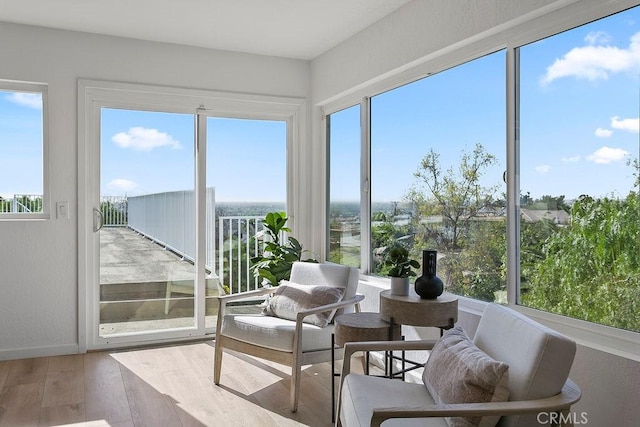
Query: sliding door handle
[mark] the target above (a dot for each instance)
(98, 220)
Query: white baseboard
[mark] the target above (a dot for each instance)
(29, 352)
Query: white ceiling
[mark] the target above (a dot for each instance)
(300, 29)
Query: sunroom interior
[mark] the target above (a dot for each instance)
(331, 107)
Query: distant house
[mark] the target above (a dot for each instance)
(557, 216)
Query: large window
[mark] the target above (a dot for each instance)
(22, 150)
(439, 167)
(437, 158)
(579, 241)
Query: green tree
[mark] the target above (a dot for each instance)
(480, 270)
(472, 246)
(455, 194)
(386, 234)
(590, 269)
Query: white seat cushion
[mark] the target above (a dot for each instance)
(274, 332)
(362, 393)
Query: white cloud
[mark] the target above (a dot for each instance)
(629, 125)
(595, 62)
(597, 37)
(144, 139)
(121, 184)
(542, 169)
(571, 159)
(607, 155)
(603, 133)
(30, 100)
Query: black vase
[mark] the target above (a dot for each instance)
(429, 286)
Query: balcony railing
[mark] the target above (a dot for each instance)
(21, 203)
(168, 219)
(236, 246)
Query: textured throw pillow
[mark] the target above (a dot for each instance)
(459, 372)
(290, 298)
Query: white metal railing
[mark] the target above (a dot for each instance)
(169, 219)
(114, 211)
(25, 203)
(237, 245)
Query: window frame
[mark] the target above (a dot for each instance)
(535, 26)
(42, 89)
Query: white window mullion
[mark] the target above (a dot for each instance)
(201, 215)
(513, 178)
(365, 189)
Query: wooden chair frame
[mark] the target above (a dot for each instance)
(295, 359)
(560, 403)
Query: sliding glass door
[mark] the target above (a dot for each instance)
(172, 189)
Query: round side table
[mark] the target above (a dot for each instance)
(355, 327)
(415, 311)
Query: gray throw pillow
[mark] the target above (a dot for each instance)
(457, 371)
(290, 298)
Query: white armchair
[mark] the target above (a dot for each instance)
(287, 341)
(536, 381)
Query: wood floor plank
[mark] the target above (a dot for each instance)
(27, 371)
(62, 415)
(20, 405)
(5, 366)
(64, 384)
(148, 406)
(72, 362)
(105, 395)
(63, 388)
(157, 359)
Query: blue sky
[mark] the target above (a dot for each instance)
(20, 143)
(578, 126)
(579, 107)
(157, 154)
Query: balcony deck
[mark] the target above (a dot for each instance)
(144, 286)
(127, 257)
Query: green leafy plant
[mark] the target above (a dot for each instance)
(397, 257)
(278, 256)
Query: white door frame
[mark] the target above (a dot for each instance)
(92, 97)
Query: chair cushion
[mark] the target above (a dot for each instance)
(539, 358)
(459, 372)
(275, 332)
(362, 393)
(326, 274)
(290, 298)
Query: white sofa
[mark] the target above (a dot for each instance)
(538, 359)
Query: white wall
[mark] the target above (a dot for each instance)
(413, 38)
(38, 259)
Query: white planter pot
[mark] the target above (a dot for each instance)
(400, 286)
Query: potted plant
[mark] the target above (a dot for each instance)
(278, 256)
(397, 257)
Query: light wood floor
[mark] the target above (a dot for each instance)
(164, 386)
